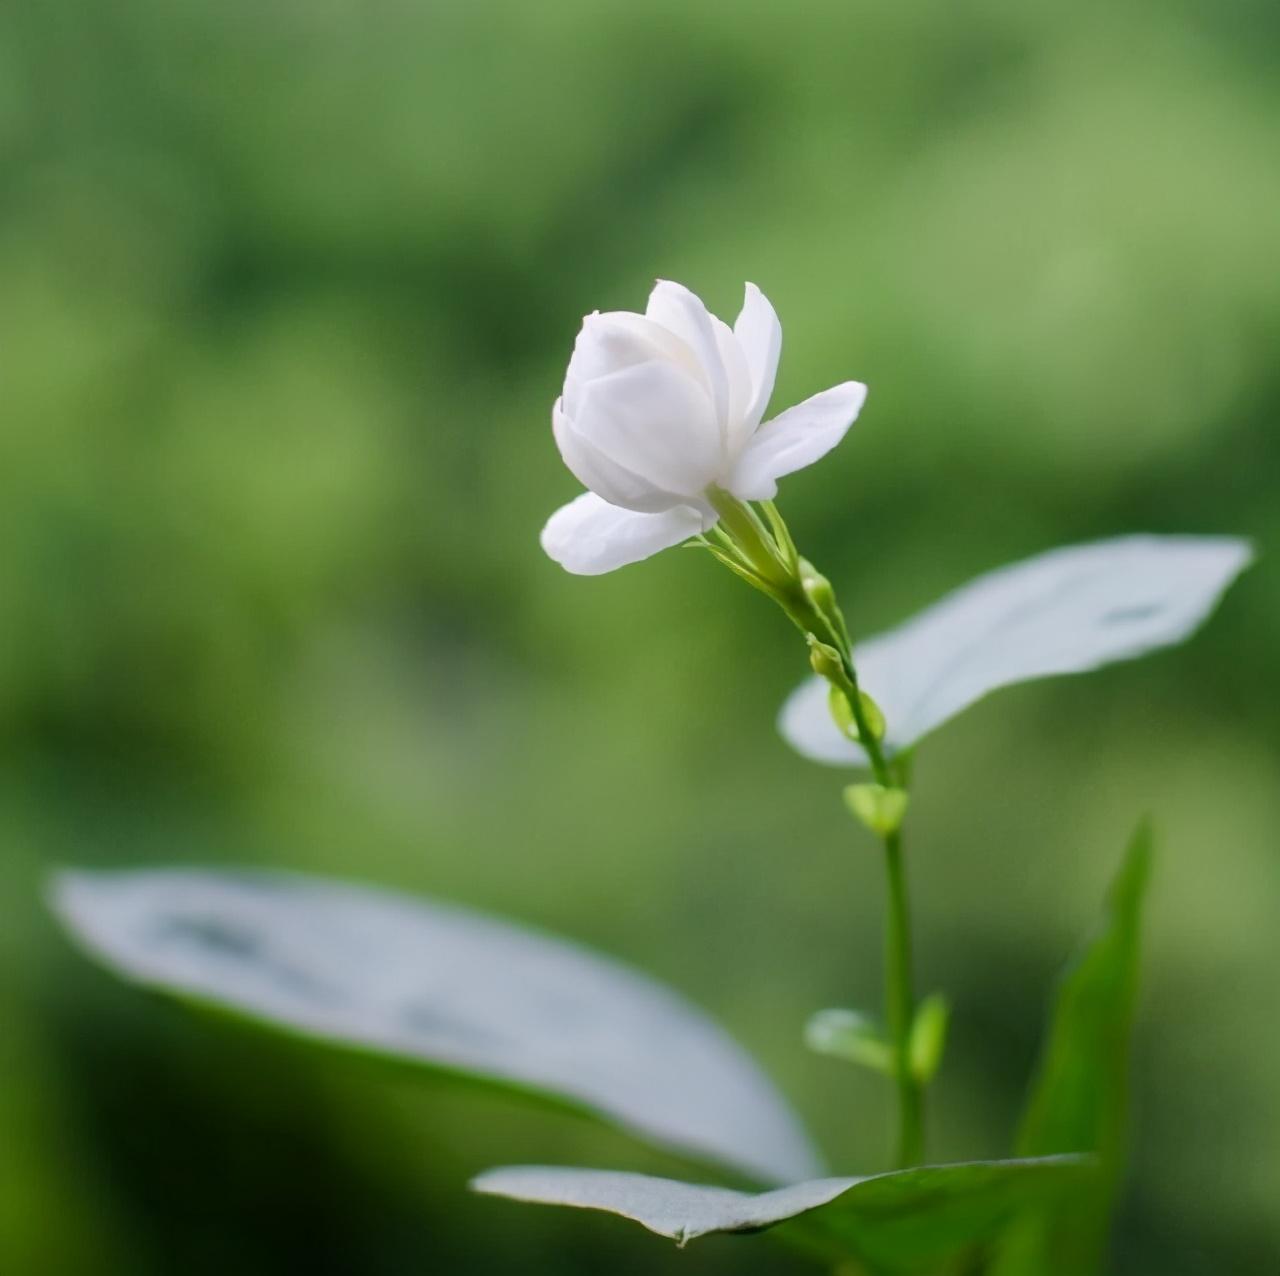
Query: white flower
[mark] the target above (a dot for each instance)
(662, 409)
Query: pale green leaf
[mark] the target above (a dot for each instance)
(437, 985)
(852, 1036)
(908, 1221)
(1067, 611)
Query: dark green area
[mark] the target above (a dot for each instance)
(287, 291)
(1080, 1099)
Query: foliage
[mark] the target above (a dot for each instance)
(288, 291)
(1080, 1099)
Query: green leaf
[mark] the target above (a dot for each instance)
(852, 1036)
(1079, 1101)
(436, 985)
(1070, 610)
(905, 1222)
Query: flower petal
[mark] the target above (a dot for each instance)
(795, 438)
(592, 468)
(760, 335)
(735, 429)
(655, 421)
(620, 339)
(589, 536)
(682, 312)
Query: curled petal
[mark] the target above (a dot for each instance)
(760, 335)
(682, 313)
(795, 438)
(590, 537)
(655, 421)
(620, 339)
(592, 468)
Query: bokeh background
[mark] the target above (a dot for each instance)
(286, 291)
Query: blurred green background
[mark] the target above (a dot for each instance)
(286, 291)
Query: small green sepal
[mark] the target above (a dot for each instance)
(736, 566)
(928, 1037)
(881, 809)
(782, 537)
(852, 1036)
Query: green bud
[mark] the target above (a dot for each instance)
(842, 712)
(821, 597)
(852, 1036)
(817, 588)
(928, 1037)
(872, 714)
(881, 809)
(825, 660)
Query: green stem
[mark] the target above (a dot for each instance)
(899, 980)
(774, 560)
(866, 737)
(900, 1006)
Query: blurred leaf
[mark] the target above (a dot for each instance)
(1066, 611)
(434, 984)
(906, 1221)
(929, 1036)
(1079, 1101)
(849, 1035)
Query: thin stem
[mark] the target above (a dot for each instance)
(900, 1005)
(772, 556)
(899, 979)
(866, 737)
(810, 619)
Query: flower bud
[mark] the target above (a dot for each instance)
(817, 588)
(881, 809)
(825, 661)
(928, 1037)
(842, 712)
